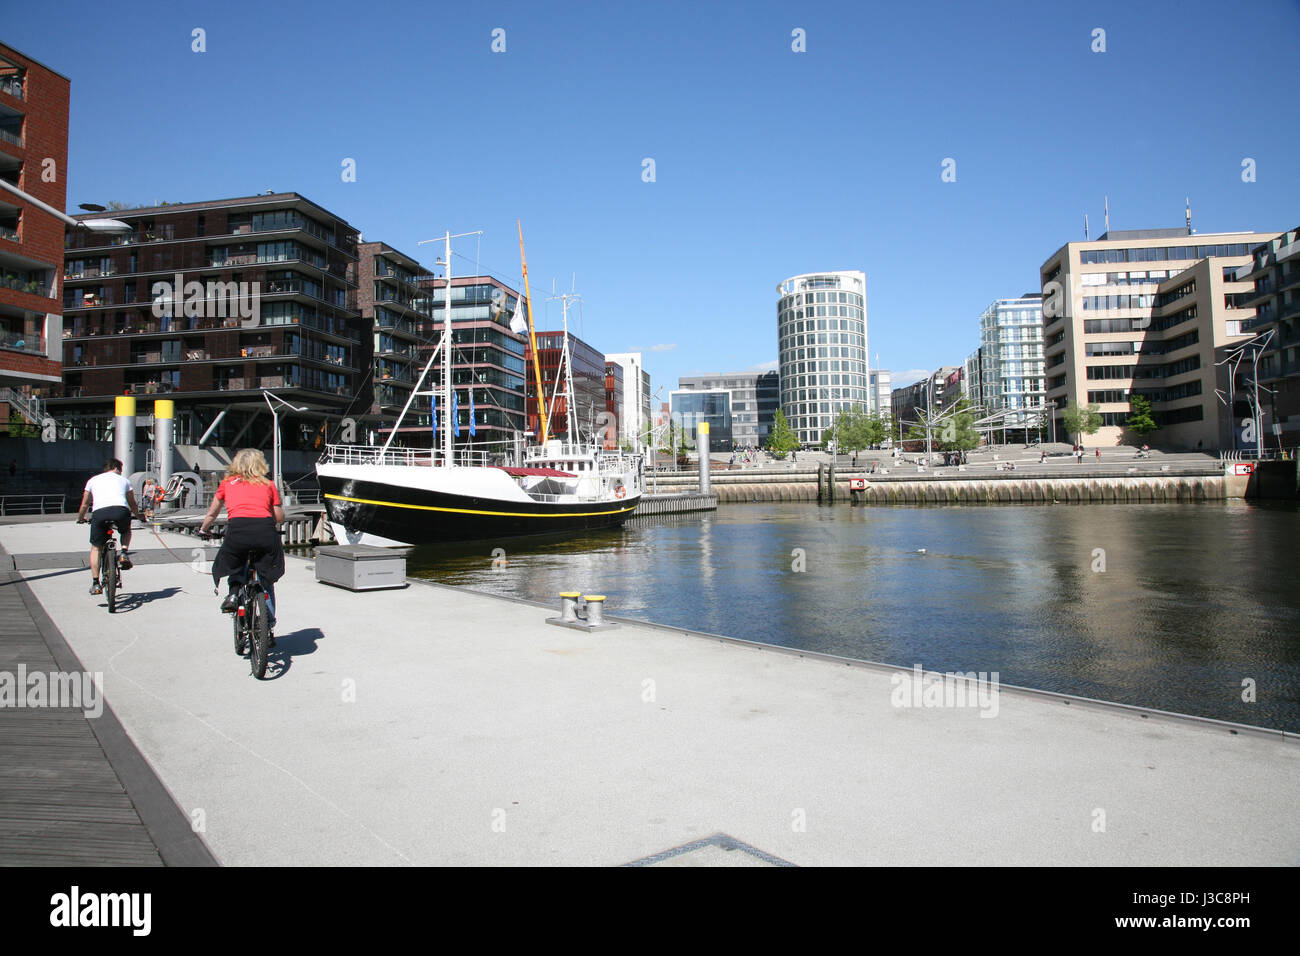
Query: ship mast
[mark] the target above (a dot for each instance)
(566, 360)
(543, 413)
(448, 425)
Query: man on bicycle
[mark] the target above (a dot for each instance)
(253, 510)
(114, 503)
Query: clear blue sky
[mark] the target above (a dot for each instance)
(769, 163)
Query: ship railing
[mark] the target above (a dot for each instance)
(565, 450)
(376, 455)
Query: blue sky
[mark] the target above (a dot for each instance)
(768, 163)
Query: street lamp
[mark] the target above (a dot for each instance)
(275, 432)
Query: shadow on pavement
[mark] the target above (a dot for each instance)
(24, 576)
(133, 601)
(291, 645)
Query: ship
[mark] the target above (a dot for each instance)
(389, 495)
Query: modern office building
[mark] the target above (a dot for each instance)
(614, 391)
(822, 348)
(33, 159)
(879, 391)
(712, 405)
(396, 308)
(972, 377)
(636, 398)
(588, 367)
(754, 399)
(210, 304)
(1274, 268)
(486, 356)
(1148, 311)
(1009, 369)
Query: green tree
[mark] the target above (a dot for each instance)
(782, 439)
(1081, 421)
(875, 430)
(19, 427)
(1140, 422)
(957, 431)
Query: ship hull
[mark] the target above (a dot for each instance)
(364, 511)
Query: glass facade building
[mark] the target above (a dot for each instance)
(1010, 359)
(822, 348)
(755, 398)
(690, 407)
(487, 359)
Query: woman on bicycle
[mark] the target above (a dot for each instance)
(253, 511)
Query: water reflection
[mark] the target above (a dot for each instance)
(1169, 606)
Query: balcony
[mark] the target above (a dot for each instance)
(13, 85)
(9, 136)
(152, 388)
(21, 342)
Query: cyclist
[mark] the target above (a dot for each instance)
(253, 511)
(114, 503)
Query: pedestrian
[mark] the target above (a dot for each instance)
(1099, 456)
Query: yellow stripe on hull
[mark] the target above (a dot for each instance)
(469, 511)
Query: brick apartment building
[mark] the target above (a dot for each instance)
(130, 329)
(34, 158)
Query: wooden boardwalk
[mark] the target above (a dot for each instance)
(63, 800)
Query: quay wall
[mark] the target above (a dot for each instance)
(991, 488)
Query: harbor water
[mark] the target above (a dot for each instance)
(1192, 608)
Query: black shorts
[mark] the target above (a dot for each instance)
(101, 518)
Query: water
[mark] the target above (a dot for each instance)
(1193, 600)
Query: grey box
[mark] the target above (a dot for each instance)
(361, 567)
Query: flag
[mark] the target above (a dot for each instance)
(455, 413)
(473, 429)
(433, 408)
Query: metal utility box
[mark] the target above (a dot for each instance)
(361, 567)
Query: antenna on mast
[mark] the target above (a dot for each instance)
(1085, 227)
(1108, 213)
(1189, 215)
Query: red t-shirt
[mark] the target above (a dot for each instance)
(244, 499)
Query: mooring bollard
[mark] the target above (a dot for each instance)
(595, 609)
(588, 617)
(569, 606)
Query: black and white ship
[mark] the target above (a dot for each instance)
(385, 495)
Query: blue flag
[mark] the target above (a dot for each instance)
(455, 413)
(473, 429)
(433, 408)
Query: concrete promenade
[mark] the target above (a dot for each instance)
(435, 726)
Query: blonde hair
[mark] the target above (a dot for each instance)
(250, 465)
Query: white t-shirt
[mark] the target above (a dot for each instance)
(108, 490)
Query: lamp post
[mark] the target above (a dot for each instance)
(275, 433)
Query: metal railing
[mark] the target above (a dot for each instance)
(29, 406)
(31, 504)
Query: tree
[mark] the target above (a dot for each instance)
(875, 430)
(1081, 421)
(1140, 422)
(957, 431)
(782, 439)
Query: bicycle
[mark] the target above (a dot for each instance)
(251, 620)
(109, 571)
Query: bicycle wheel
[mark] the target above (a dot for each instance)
(259, 645)
(241, 633)
(109, 572)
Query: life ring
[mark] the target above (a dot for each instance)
(620, 491)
